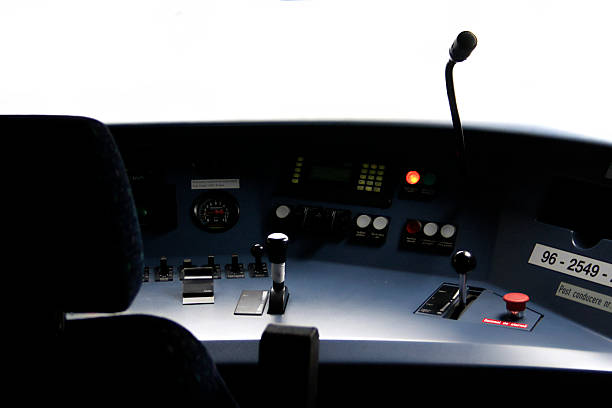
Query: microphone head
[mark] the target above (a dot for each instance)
(463, 46)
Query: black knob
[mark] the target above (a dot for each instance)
(463, 262)
(211, 260)
(276, 245)
(163, 264)
(257, 250)
(187, 263)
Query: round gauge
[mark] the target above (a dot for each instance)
(215, 211)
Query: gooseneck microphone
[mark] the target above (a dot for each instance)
(462, 47)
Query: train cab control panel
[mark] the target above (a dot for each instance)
(369, 233)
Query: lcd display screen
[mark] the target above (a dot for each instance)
(333, 174)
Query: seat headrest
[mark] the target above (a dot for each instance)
(79, 239)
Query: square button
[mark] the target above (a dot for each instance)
(360, 188)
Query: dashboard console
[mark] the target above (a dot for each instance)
(374, 213)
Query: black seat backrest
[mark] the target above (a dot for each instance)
(80, 248)
(78, 217)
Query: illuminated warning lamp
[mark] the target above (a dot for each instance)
(413, 177)
(413, 226)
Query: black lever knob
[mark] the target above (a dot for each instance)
(463, 262)
(276, 245)
(257, 250)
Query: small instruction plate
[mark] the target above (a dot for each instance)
(215, 184)
(571, 264)
(585, 296)
(252, 302)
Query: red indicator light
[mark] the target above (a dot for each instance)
(413, 226)
(413, 177)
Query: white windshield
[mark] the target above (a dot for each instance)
(538, 64)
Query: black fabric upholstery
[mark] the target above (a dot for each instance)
(79, 249)
(78, 221)
(138, 359)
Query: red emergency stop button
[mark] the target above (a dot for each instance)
(516, 302)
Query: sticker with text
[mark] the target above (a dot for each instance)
(504, 323)
(578, 266)
(585, 296)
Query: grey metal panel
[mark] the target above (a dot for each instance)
(367, 315)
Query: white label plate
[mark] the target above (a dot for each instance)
(571, 264)
(585, 296)
(215, 184)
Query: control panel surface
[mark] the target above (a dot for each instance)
(374, 213)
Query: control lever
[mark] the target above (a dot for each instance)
(258, 269)
(463, 262)
(277, 244)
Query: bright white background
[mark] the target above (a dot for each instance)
(544, 64)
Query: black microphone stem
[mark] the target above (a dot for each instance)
(460, 140)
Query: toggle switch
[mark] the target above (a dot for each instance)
(164, 272)
(235, 270)
(215, 266)
(187, 263)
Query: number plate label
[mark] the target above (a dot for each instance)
(571, 264)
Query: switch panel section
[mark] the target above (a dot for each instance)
(323, 222)
(418, 184)
(443, 301)
(490, 309)
(370, 229)
(429, 236)
(340, 179)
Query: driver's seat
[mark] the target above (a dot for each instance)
(86, 256)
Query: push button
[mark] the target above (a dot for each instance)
(363, 221)
(430, 229)
(516, 303)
